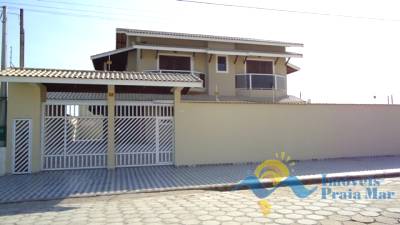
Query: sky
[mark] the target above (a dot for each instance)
(346, 60)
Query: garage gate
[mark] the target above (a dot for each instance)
(75, 136)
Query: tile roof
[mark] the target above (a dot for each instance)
(98, 77)
(206, 37)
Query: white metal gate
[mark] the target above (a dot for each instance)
(22, 146)
(74, 135)
(144, 134)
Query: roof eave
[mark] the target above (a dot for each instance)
(271, 43)
(112, 52)
(225, 52)
(21, 79)
(293, 66)
(197, 50)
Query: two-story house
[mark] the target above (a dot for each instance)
(231, 68)
(127, 111)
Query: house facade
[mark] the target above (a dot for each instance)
(124, 112)
(232, 68)
(164, 98)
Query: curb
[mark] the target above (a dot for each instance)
(317, 179)
(306, 180)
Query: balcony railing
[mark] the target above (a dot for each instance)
(199, 74)
(254, 81)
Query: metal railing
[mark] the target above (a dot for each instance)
(198, 74)
(254, 81)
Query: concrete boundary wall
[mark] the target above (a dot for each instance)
(212, 133)
(25, 102)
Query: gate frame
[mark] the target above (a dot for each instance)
(13, 146)
(42, 131)
(117, 103)
(170, 103)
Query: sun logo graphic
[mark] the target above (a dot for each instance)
(276, 170)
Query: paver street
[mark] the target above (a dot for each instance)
(209, 207)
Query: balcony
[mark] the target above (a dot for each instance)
(270, 86)
(250, 81)
(198, 74)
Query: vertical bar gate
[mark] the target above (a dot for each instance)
(75, 136)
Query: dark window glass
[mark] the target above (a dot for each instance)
(262, 82)
(242, 81)
(281, 83)
(264, 67)
(174, 62)
(222, 63)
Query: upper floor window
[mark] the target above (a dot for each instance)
(222, 64)
(169, 62)
(259, 66)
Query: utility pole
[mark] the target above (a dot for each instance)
(21, 39)
(3, 38)
(3, 86)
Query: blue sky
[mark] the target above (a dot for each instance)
(345, 60)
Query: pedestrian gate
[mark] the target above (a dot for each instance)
(76, 135)
(144, 134)
(22, 146)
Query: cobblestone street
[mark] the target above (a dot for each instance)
(211, 207)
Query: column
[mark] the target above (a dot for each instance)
(111, 140)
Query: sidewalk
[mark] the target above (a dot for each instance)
(75, 183)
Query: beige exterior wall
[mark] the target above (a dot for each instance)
(221, 46)
(24, 102)
(223, 83)
(259, 48)
(131, 65)
(271, 94)
(147, 61)
(212, 133)
(200, 61)
(167, 42)
(280, 67)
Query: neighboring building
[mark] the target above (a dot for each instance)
(232, 68)
(125, 112)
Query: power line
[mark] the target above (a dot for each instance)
(84, 4)
(63, 13)
(81, 14)
(67, 9)
(86, 12)
(84, 16)
(290, 11)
